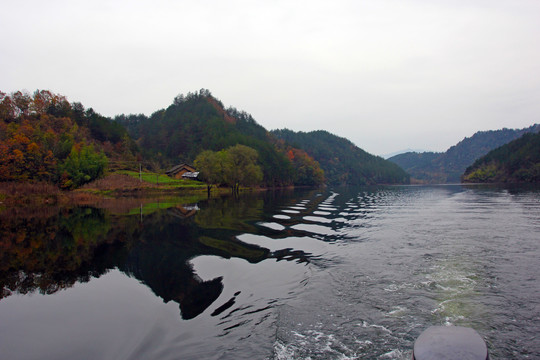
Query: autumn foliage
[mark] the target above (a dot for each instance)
(45, 138)
(307, 171)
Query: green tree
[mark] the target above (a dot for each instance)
(83, 165)
(210, 165)
(236, 166)
(241, 167)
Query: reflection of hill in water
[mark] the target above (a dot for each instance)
(49, 251)
(161, 260)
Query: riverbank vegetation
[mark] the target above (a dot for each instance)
(40, 193)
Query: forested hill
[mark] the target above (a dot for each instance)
(515, 162)
(343, 162)
(448, 167)
(198, 122)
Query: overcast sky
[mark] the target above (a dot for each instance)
(388, 75)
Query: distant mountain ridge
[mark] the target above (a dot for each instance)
(343, 162)
(447, 167)
(389, 155)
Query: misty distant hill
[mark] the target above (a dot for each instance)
(388, 156)
(343, 162)
(515, 162)
(447, 167)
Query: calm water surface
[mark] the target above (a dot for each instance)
(345, 273)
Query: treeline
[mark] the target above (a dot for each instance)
(343, 162)
(43, 137)
(515, 162)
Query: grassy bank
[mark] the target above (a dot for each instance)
(163, 181)
(124, 182)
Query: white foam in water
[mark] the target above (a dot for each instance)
(321, 213)
(396, 287)
(283, 352)
(315, 342)
(394, 354)
(363, 343)
(398, 311)
(364, 324)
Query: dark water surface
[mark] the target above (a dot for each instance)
(346, 273)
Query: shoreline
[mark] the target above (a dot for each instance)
(45, 194)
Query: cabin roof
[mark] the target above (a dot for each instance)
(180, 167)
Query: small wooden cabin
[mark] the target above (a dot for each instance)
(179, 170)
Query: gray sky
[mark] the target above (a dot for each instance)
(386, 74)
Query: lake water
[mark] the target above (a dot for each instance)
(345, 273)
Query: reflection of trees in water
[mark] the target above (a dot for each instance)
(45, 250)
(49, 251)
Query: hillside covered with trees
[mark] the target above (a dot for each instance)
(45, 138)
(343, 162)
(199, 122)
(447, 167)
(516, 162)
